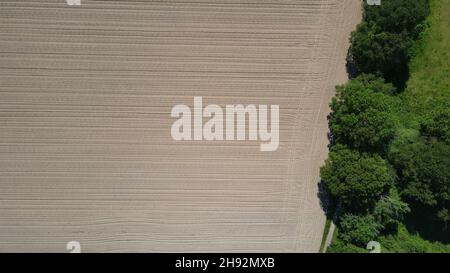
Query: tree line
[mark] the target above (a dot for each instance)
(385, 162)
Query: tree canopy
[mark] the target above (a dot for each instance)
(357, 180)
(424, 175)
(389, 212)
(382, 41)
(358, 230)
(383, 131)
(398, 15)
(363, 114)
(375, 51)
(437, 123)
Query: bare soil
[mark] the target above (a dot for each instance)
(85, 147)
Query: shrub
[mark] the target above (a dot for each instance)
(358, 230)
(340, 247)
(389, 212)
(437, 123)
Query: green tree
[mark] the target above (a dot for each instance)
(405, 242)
(357, 180)
(443, 215)
(398, 15)
(358, 230)
(389, 212)
(423, 168)
(337, 246)
(375, 51)
(437, 123)
(374, 83)
(363, 115)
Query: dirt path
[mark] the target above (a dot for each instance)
(85, 147)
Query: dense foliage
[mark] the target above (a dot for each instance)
(389, 213)
(357, 180)
(375, 51)
(402, 242)
(338, 246)
(424, 176)
(398, 16)
(380, 44)
(378, 129)
(358, 230)
(436, 124)
(363, 114)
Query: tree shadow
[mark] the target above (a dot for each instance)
(398, 77)
(421, 222)
(326, 203)
(351, 69)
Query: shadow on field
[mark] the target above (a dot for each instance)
(326, 203)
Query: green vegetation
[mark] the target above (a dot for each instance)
(383, 53)
(424, 175)
(388, 171)
(326, 230)
(399, 16)
(401, 242)
(427, 97)
(357, 229)
(340, 247)
(429, 82)
(437, 124)
(357, 180)
(362, 114)
(405, 242)
(381, 42)
(389, 213)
